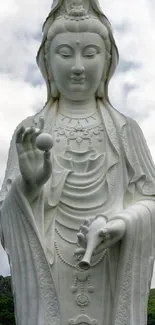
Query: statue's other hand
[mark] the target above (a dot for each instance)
(35, 165)
(82, 241)
(114, 231)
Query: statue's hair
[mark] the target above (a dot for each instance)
(91, 25)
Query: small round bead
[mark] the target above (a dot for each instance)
(44, 141)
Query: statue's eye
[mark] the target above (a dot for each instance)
(65, 55)
(90, 52)
(65, 52)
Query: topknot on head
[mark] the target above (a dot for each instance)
(75, 10)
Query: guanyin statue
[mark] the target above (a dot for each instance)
(97, 180)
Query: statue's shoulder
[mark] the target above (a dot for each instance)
(130, 124)
(131, 121)
(128, 129)
(132, 133)
(122, 121)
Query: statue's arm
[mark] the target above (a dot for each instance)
(140, 197)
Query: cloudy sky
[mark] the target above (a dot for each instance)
(22, 91)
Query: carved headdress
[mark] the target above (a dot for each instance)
(73, 15)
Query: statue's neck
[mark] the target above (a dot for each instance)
(76, 109)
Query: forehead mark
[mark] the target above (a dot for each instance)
(77, 42)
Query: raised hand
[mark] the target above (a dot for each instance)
(35, 165)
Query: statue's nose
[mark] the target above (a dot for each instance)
(78, 67)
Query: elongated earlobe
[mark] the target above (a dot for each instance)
(54, 90)
(100, 90)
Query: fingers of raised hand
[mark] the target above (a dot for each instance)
(27, 138)
(19, 134)
(22, 135)
(37, 132)
(45, 170)
(47, 167)
(40, 128)
(41, 125)
(81, 239)
(19, 140)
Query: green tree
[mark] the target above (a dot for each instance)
(151, 308)
(6, 302)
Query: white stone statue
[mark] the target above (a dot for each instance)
(78, 220)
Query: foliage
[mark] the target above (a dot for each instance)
(151, 308)
(7, 306)
(6, 302)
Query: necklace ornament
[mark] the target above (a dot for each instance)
(79, 133)
(76, 266)
(87, 119)
(65, 239)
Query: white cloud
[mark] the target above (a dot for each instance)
(8, 8)
(134, 29)
(132, 90)
(4, 266)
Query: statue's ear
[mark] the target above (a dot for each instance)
(54, 90)
(100, 90)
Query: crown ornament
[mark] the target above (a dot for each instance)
(75, 10)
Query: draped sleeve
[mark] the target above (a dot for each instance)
(34, 292)
(141, 168)
(137, 248)
(22, 236)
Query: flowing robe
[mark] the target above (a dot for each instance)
(130, 189)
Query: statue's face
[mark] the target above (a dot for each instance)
(77, 61)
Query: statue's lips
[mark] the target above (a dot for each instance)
(77, 80)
